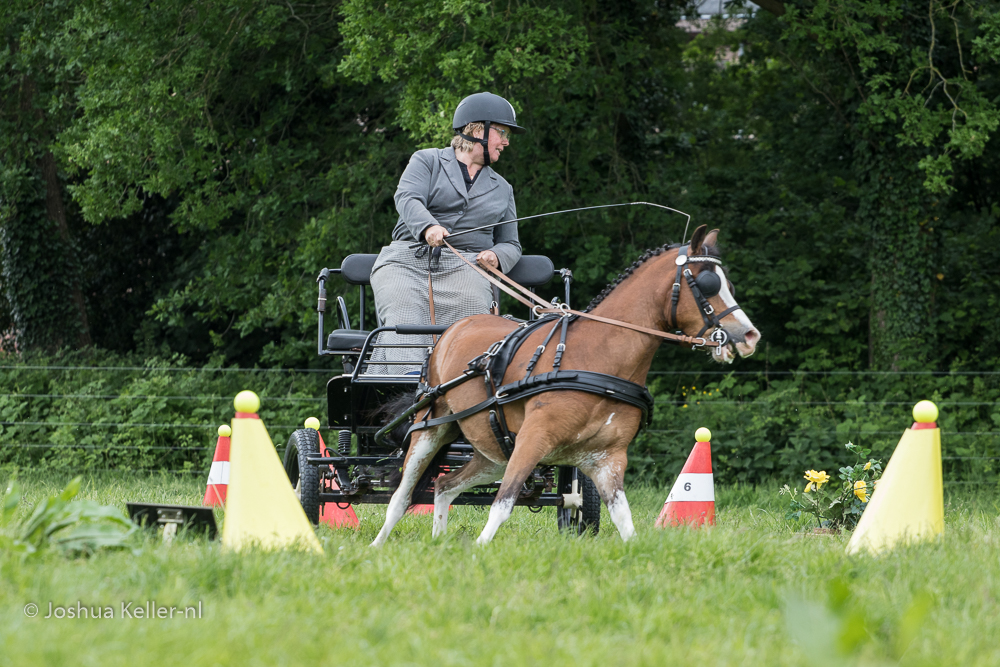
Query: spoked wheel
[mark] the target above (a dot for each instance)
(588, 517)
(304, 477)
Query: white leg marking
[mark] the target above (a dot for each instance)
(441, 505)
(610, 417)
(622, 516)
(499, 512)
(422, 450)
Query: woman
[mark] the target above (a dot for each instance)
(443, 191)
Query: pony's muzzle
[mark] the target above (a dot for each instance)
(746, 341)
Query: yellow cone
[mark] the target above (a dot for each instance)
(261, 508)
(908, 504)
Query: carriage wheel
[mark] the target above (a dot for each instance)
(304, 477)
(588, 519)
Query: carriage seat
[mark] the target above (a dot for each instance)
(530, 270)
(346, 340)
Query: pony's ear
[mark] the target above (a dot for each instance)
(710, 238)
(696, 240)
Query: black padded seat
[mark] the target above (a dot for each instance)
(357, 269)
(346, 339)
(530, 270)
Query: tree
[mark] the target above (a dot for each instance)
(910, 82)
(39, 271)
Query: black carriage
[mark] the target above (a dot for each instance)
(355, 468)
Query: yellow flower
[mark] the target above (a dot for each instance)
(818, 479)
(808, 487)
(868, 465)
(861, 490)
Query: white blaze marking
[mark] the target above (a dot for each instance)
(692, 486)
(730, 301)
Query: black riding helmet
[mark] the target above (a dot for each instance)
(485, 108)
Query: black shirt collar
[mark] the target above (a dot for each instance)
(465, 175)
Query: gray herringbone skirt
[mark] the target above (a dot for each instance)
(399, 280)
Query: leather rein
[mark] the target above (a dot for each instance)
(717, 339)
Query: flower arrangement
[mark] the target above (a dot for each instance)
(836, 506)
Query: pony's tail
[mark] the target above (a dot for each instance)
(391, 409)
(399, 438)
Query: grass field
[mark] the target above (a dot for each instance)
(750, 591)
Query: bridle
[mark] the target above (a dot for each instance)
(707, 284)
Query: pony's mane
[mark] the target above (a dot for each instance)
(643, 258)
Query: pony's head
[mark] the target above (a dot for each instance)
(702, 301)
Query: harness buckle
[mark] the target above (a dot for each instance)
(561, 347)
(701, 344)
(564, 307)
(495, 348)
(709, 310)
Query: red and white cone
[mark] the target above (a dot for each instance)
(692, 499)
(218, 476)
(330, 513)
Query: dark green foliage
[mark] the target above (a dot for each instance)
(39, 267)
(212, 158)
(102, 411)
(775, 426)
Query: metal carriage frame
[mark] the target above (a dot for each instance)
(357, 470)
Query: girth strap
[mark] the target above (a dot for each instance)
(601, 384)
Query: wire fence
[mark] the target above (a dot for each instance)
(328, 371)
(29, 434)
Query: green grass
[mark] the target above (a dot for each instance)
(752, 590)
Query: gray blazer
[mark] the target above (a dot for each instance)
(432, 192)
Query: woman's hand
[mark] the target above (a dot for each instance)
(488, 257)
(434, 235)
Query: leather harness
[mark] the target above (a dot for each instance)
(493, 364)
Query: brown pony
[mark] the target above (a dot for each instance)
(560, 427)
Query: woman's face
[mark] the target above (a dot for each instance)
(499, 139)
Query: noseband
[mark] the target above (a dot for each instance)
(706, 285)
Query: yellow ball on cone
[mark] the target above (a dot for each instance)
(925, 412)
(246, 401)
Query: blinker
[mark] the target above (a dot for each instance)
(708, 283)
